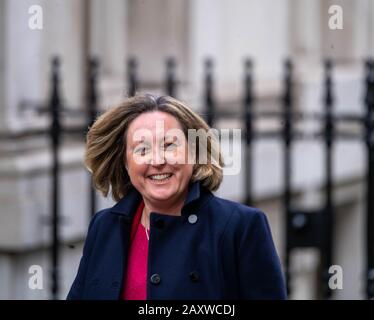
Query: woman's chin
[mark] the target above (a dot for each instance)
(160, 194)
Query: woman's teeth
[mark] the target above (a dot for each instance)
(160, 177)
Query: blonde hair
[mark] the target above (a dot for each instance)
(106, 144)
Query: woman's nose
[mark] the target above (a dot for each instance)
(158, 157)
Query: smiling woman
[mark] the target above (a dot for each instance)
(168, 236)
(162, 183)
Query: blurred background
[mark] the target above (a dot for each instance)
(255, 65)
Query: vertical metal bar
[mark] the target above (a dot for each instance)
(92, 114)
(326, 253)
(209, 100)
(247, 111)
(287, 103)
(132, 78)
(171, 81)
(55, 130)
(86, 47)
(369, 137)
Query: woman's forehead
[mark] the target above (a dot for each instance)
(154, 120)
(154, 125)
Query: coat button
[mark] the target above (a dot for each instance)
(155, 278)
(192, 218)
(194, 276)
(159, 223)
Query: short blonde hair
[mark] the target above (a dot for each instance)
(106, 144)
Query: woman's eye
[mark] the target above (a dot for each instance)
(142, 151)
(169, 146)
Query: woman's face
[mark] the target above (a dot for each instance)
(157, 157)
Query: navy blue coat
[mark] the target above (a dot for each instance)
(216, 249)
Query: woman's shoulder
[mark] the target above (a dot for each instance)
(238, 218)
(243, 224)
(99, 218)
(236, 210)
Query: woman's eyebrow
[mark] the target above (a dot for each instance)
(135, 143)
(172, 138)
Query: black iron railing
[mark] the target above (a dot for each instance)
(304, 228)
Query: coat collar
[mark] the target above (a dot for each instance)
(129, 203)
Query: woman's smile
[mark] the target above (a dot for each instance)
(160, 178)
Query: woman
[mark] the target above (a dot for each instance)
(168, 236)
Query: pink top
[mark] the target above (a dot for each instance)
(135, 286)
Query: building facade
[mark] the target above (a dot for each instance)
(189, 30)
